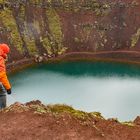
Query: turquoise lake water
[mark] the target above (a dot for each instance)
(112, 89)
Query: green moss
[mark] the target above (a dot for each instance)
(97, 114)
(31, 46)
(130, 124)
(36, 25)
(56, 31)
(54, 24)
(21, 13)
(57, 109)
(1, 1)
(38, 109)
(76, 40)
(27, 36)
(100, 9)
(35, 1)
(87, 29)
(135, 38)
(62, 50)
(10, 23)
(47, 44)
(30, 42)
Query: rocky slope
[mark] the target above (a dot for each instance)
(55, 27)
(60, 122)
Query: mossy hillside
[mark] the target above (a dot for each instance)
(58, 109)
(47, 44)
(55, 45)
(1, 1)
(10, 23)
(35, 1)
(56, 31)
(27, 36)
(31, 45)
(99, 8)
(37, 26)
(135, 38)
(130, 124)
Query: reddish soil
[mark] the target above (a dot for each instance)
(23, 122)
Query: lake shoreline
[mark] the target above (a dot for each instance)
(125, 57)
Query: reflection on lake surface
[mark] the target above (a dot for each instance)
(112, 89)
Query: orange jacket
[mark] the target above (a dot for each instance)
(4, 80)
(3, 77)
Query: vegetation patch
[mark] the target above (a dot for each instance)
(28, 36)
(97, 115)
(31, 45)
(77, 40)
(130, 124)
(47, 44)
(57, 109)
(67, 109)
(56, 31)
(38, 109)
(30, 42)
(10, 23)
(135, 38)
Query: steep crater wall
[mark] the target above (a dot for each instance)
(106, 29)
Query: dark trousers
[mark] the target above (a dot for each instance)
(2, 102)
(2, 96)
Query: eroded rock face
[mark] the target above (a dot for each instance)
(54, 27)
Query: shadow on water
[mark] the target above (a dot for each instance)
(101, 69)
(112, 89)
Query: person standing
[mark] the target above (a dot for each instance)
(5, 86)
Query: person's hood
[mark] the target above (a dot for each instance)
(4, 50)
